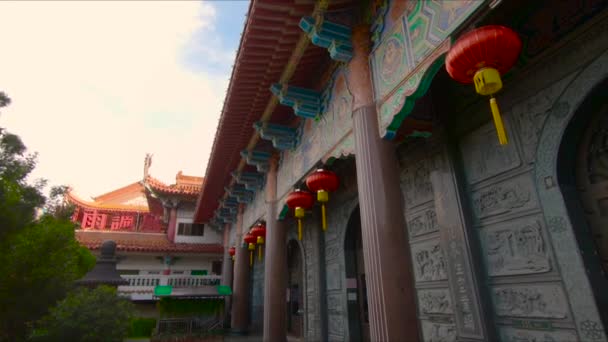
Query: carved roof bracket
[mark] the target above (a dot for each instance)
(336, 38)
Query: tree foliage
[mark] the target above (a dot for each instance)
(85, 315)
(39, 257)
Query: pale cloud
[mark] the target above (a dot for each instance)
(97, 84)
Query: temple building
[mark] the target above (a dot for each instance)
(425, 170)
(157, 243)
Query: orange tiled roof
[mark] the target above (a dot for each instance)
(143, 242)
(184, 185)
(72, 198)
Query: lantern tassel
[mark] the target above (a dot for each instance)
(260, 253)
(251, 258)
(323, 217)
(500, 128)
(299, 229)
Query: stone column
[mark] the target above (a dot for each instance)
(227, 268)
(240, 292)
(390, 284)
(275, 272)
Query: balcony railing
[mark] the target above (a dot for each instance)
(142, 286)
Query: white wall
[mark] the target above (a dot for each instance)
(186, 263)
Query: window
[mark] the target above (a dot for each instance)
(190, 229)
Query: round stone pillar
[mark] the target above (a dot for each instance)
(275, 268)
(390, 284)
(240, 293)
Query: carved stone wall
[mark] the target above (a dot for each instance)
(257, 295)
(435, 302)
(537, 284)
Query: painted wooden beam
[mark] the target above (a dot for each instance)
(336, 38)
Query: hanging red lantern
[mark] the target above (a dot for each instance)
(259, 231)
(481, 57)
(232, 252)
(323, 182)
(250, 240)
(300, 201)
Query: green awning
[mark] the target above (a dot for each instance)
(199, 291)
(163, 290)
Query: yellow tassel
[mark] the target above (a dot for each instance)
(260, 253)
(299, 229)
(500, 128)
(250, 258)
(324, 217)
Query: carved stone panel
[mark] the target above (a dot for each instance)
(523, 335)
(513, 195)
(416, 184)
(531, 300)
(336, 325)
(484, 157)
(435, 301)
(334, 277)
(334, 303)
(438, 332)
(422, 222)
(516, 247)
(429, 261)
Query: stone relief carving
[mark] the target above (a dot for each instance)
(523, 335)
(334, 303)
(417, 188)
(429, 261)
(530, 115)
(592, 330)
(435, 301)
(423, 222)
(516, 248)
(336, 325)
(544, 301)
(333, 277)
(438, 332)
(483, 157)
(510, 196)
(556, 224)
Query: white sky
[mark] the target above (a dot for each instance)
(97, 84)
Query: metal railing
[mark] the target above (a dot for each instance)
(175, 280)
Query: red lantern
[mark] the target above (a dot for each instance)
(323, 182)
(481, 57)
(232, 252)
(259, 231)
(250, 240)
(300, 201)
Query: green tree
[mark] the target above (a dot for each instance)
(39, 258)
(85, 315)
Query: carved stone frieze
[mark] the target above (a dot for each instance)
(483, 157)
(334, 303)
(523, 335)
(510, 196)
(530, 300)
(516, 247)
(422, 222)
(429, 261)
(435, 301)
(438, 332)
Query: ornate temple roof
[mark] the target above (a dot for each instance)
(270, 38)
(130, 198)
(184, 185)
(142, 242)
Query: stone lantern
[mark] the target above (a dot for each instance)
(104, 272)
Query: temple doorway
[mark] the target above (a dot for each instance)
(295, 287)
(583, 177)
(356, 288)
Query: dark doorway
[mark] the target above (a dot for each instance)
(583, 177)
(356, 287)
(295, 289)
